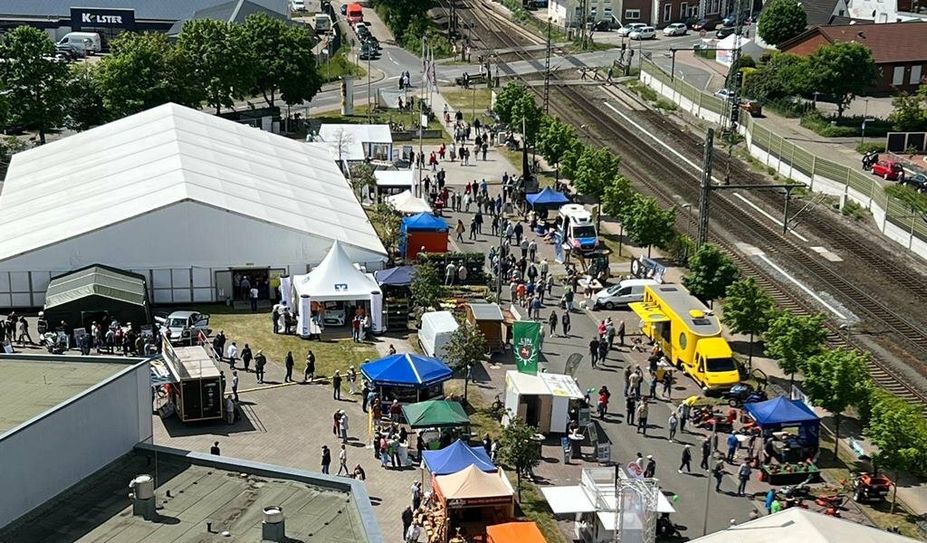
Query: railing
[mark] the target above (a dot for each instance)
(783, 157)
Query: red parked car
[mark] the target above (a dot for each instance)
(888, 169)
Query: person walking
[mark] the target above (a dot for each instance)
(732, 445)
(24, 331)
(565, 322)
(235, 385)
(326, 459)
(651, 470)
(352, 381)
(309, 372)
(620, 333)
(630, 404)
(718, 473)
(743, 474)
(288, 364)
(343, 461)
(686, 460)
(406, 520)
(604, 395)
(343, 426)
(634, 383)
(627, 380)
(259, 362)
(671, 425)
(653, 386)
(683, 412)
(641, 414)
(416, 495)
(706, 454)
(253, 295)
(594, 351)
(233, 355)
(246, 357)
(336, 386)
(552, 322)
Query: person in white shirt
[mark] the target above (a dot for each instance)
(253, 294)
(343, 461)
(232, 355)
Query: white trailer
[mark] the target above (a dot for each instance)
(543, 400)
(437, 327)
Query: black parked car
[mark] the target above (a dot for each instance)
(917, 182)
(706, 24)
(724, 32)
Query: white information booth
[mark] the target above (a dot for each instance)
(543, 400)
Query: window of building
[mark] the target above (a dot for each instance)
(917, 74)
(683, 10)
(632, 14)
(667, 12)
(898, 76)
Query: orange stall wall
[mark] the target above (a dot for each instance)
(434, 242)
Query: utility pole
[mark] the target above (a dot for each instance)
(547, 73)
(705, 190)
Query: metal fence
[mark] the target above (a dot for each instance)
(779, 155)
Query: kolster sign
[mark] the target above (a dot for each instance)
(527, 346)
(102, 18)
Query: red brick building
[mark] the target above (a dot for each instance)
(899, 50)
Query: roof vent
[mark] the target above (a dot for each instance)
(141, 492)
(273, 527)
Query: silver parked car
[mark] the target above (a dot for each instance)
(675, 29)
(630, 27)
(185, 326)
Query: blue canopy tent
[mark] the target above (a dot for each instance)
(456, 457)
(547, 198)
(400, 276)
(422, 230)
(777, 413)
(407, 377)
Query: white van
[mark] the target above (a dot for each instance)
(437, 327)
(90, 41)
(577, 229)
(621, 294)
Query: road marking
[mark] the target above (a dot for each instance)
(693, 165)
(767, 215)
(797, 283)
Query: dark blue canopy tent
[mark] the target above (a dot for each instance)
(777, 413)
(548, 198)
(455, 457)
(400, 276)
(426, 222)
(407, 377)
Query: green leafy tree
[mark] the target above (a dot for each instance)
(841, 69)
(792, 339)
(518, 449)
(648, 224)
(467, 345)
(556, 138)
(781, 76)
(915, 201)
(506, 99)
(144, 71)
(836, 379)
(596, 168)
(781, 20)
(526, 117)
(747, 310)
(617, 196)
(897, 428)
(910, 113)
(34, 81)
(282, 64)
(362, 179)
(570, 159)
(85, 107)
(218, 59)
(427, 288)
(710, 273)
(388, 224)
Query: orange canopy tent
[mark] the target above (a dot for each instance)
(515, 532)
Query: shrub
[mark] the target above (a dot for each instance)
(663, 103)
(832, 127)
(863, 148)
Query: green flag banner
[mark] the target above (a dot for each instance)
(527, 346)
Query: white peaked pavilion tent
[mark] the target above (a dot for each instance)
(336, 279)
(180, 196)
(405, 202)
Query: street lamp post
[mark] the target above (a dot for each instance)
(467, 376)
(688, 207)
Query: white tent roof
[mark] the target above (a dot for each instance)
(336, 279)
(395, 178)
(353, 138)
(404, 202)
(797, 524)
(565, 500)
(543, 384)
(170, 154)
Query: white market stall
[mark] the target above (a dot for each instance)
(543, 400)
(390, 182)
(406, 203)
(333, 292)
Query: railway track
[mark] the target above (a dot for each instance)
(648, 165)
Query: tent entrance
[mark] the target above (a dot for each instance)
(244, 279)
(101, 317)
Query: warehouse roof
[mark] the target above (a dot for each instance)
(229, 493)
(166, 10)
(234, 11)
(31, 385)
(167, 155)
(97, 280)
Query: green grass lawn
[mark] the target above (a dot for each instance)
(466, 99)
(255, 330)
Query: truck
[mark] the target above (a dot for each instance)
(689, 335)
(354, 14)
(577, 229)
(323, 23)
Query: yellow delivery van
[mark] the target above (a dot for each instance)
(689, 334)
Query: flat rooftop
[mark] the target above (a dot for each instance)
(98, 509)
(31, 385)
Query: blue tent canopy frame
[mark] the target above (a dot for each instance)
(400, 276)
(772, 415)
(406, 370)
(424, 222)
(456, 457)
(547, 197)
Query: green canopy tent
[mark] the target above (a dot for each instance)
(97, 293)
(435, 414)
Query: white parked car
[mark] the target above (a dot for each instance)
(724, 94)
(643, 33)
(185, 326)
(621, 294)
(630, 27)
(675, 29)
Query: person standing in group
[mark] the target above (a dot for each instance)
(326, 459)
(365, 399)
(629, 410)
(718, 473)
(565, 322)
(634, 383)
(651, 470)
(336, 386)
(352, 381)
(233, 355)
(288, 364)
(343, 461)
(406, 520)
(686, 461)
(706, 454)
(309, 372)
(253, 295)
(416, 495)
(683, 412)
(743, 474)
(343, 426)
(642, 411)
(235, 385)
(552, 322)
(732, 445)
(620, 333)
(594, 351)
(671, 425)
(259, 362)
(450, 271)
(246, 357)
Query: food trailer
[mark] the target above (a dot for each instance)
(543, 400)
(197, 388)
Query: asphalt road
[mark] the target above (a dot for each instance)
(692, 489)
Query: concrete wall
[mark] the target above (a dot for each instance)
(58, 449)
(179, 248)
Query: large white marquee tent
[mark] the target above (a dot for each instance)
(183, 197)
